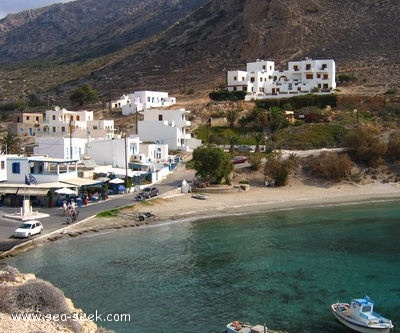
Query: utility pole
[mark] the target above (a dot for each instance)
(70, 139)
(126, 163)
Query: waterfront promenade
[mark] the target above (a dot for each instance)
(56, 219)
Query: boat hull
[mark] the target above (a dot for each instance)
(359, 327)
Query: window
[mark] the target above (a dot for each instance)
(54, 129)
(27, 117)
(160, 117)
(263, 67)
(78, 118)
(234, 78)
(309, 76)
(2, 165)
(324, 66)
(308, 67)
(16, 168)
(326, 76)
(295, 67)
(37, 118)
(63, 129)
(54, 117)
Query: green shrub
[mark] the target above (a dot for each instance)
(225, 95)
(300, 101)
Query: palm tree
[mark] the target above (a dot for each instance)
(258, 138)
(10, 143)
(231, 117)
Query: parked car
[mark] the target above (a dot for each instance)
(243, 148)
(28, 229)
(150, 192)
(239, 159)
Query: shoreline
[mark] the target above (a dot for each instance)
(177, 208)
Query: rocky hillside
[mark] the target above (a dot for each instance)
(25, 295)
(118, 45)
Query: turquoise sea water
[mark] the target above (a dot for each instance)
(284, 268)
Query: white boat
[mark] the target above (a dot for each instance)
(199, 196)
(238, 327)
(360, 316)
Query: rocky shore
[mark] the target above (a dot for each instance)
(29, 304)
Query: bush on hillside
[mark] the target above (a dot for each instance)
(40, 295)
(364, 146)
(278, 169)
(225, 95)
(329, 166)
(300, 101)
(393, 149)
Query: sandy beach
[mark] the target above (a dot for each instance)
(232, 201)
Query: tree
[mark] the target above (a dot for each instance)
(277, 119)
(212, 164)
(231, 117)
(10, 143)
(84, 94)
(259, 138)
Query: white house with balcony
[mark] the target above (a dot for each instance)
(143, 100)
(166, 127)
(261, 80)
(61, 122)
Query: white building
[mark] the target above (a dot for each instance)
(61, 122)
(115, 152)
(122, 101)
(142, 100)
(165, 127)
(261, 80)
(62, 147)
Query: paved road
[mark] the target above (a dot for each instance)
(56, 220)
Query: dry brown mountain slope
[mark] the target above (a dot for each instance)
(361, 36)
(194, 51)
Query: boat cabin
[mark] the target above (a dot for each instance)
(363, 309)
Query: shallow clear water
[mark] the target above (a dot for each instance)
(283, 268)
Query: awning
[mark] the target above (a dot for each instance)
(24, 190)
(32, 191)
(8, 190)
(82, 182)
